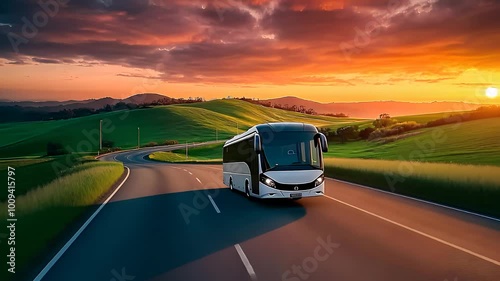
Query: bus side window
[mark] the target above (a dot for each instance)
(314, 155)
(303, 152)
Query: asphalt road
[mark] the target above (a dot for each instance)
(178, 222)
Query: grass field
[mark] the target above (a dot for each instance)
(474, 188)
(204, 154)
(32, 173)
(424, 118)
(193, 123)
(48, 210)
(476, 142)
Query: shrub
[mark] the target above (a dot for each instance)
(396, 129)
(170, 142)
(151, 144)
(384, 122)
(365, 133)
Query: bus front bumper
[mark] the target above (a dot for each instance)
(267, 192)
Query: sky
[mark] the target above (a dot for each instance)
(323, 50)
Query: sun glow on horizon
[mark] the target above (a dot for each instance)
(492, 92)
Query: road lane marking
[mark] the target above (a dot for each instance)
(75, 236)
(128, 158)
(190, 173)
(184, 170)
(213, 204)
(418, 232)
(198, 180)
(416, 199)
(246, 262)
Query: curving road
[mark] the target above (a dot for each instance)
(178, 222)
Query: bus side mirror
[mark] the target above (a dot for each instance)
(257, 144)
(320, 138)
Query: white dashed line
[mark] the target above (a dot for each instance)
(198, 180)
(245, 261)
(213, 204)
(190, 173)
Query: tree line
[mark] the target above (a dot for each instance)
(18, 113)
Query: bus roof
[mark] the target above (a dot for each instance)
(274, 127)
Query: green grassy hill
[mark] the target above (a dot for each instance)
(424, 118)
(211, 153)
(475, 142)
(193, 123)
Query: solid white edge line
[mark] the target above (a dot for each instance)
(416, 199)
(418, 232)
(213, 204)
(75, 236)
(246, 262)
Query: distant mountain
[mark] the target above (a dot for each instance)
(53, 106)
(373, 109)
(144, 98)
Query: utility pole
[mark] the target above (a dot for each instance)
(186, 150)
(138, 137)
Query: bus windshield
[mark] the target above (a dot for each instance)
(291, 150)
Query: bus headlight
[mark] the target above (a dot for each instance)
(267, 181)
(319, 180)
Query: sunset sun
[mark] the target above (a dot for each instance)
(492, 92)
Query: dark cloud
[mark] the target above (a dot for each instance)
(43, 60)
(258, 40)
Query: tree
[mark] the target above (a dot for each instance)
(365, 133)
(384, 120)
(326, 131)
(348, 132)
(107, 108)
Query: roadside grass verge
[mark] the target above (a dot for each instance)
(206, 154)
(36, 172)
(468, 187)
(45, 212)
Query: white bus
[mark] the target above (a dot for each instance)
(276, 160)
